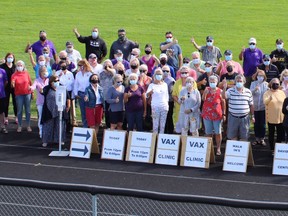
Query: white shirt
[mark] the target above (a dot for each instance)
(160, 96)
(74, 57)
(98, 69)
(66, 79)
(81, 82)
(98, 99)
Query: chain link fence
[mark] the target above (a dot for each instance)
(29, 201)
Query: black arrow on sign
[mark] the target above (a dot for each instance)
(87, 135)
(85, 150)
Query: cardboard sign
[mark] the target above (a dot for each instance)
(238, 155)
(280, 163)
(167, 149)
(113, 144)
(82, 141)
(197, 152)
(141, 147)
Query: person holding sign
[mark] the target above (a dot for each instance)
(189, 114)
(158, 91)
(273, 100)
(135, 103)
(94, 103)
(213, 111)
(240, 104)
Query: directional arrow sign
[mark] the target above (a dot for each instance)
(85, 150)
(87, 135)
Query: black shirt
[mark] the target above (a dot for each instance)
(126, 47)
(271, 73)
(282, 59)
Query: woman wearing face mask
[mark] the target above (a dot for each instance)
(270, 69)
(115, 97)
(158, 91)
(189, 113)
(9, 67)
(258, 88)
(203, 80)
(134, 67)
(222, 65)
(150, 60)
(39, 84)
(213, 111)
(94, 103)
(50, 114)
(81, 82)
(21, 83)
(135, 104)
(284, 80)
(273, 100)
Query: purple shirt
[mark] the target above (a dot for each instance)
(135, 102)
(70, 67)
(124, 62)
(40, 84)
(251, 59)
(37, 48)
(3, 80)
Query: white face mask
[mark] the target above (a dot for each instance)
(94, 35)
(69, 50)
(41, 63)
(19, 68)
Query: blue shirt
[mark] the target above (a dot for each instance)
(36, 69)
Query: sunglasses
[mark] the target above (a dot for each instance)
(168, 37)
(209, 40)
(120, 82)
(142, 71)
(186, 62)
(165, 71)
(56, 81)
(184, 72)
(252, 44)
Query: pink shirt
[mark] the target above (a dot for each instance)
(192, 73)
(39, 84)
(150, 63)
(223, 64)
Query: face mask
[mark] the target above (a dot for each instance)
(196, 61)
(133, 82)
(229, 69)
(252, 47)
(184, 75)
(41, 63)
(46, 55)
(42, 38)
(207, 69)
(163, 61)
(228, 57)
(169, 40)
(213, 85)
(119, 83)
(147, 52)
(165, 74)
(185, 64)
(94, 35)
(275, 86)
(133, 67)
(266, 63)
(63, 68)
(239, 84)
(19, 68)
(94, 81)
(69, 50)
(279, 46)
(45, 74)
(120, 59)
(209, 44)
(158, 77)
(188, 85)
(56, 84)
(10, 60)
(285, 78)
(260, 78)
(121, 37)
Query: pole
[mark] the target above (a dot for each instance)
(60, 130)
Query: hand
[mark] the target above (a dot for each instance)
(188, 111)
(67, 109)
(257, 87)
(85, 98)
(192, 40)
(270, 97)
(224, 118)
(75, 30)
(29, 88)
(117, 100)
(274, 59)
(144, 114)
(175, 41)
(243, 49)
(253, 119)
(32, 96)
(182, 99)
(129, 94)
(150, 93)
(224, 82)
(30, 51)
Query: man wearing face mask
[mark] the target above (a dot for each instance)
(173, 51)
(163, 61)
(203, 80)
(229, 77)
(279, 57)
(118, 58)
(221, 67)
(197, 64)
(63, 57)
(93, 44)
(271, 71)
(209, 51)
(252, 57)
(123, 44)
(240, 104)
(72, 54)
(38, 46)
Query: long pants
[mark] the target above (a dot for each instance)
(159, 115)
(169, 126)
(82, 108)
(40, 108)
(260, 124)
(135, 118)
(23, 101)
(7, 98)
(271, 130)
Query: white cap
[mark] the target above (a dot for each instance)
(252, 40)
(163, 55)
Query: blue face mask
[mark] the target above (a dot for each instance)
(169, 40)
(213, 85)
(252, 47)
(94, 34)
(133, 82)
(10, 60)
(207, 69)
(196, 61)
(266, 63)
(158, 77)
(56, 84)
(260, 78)
(209, 43)
(279, 46)
(120, 83)
(239, 84)
(228, 57)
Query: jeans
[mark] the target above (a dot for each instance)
(135, 118)
(40, 108)
(23, 100)
(82, 108)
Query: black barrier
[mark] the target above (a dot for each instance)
(94, 190)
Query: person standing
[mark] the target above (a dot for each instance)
(96, 67)
(93, 44)
(38, 46)
(150, 59)
(73, 55)
(279, 56)
(270, 69)
(197, 64)
(3, 83)
(221, 67)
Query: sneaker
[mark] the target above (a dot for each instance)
(29, 129)
(19, 129)
(44, 144)
(262, 142)
(4, 130)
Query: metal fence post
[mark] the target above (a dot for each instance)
(94, 205)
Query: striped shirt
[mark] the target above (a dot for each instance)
(239, 102)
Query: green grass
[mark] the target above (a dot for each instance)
(231, 23)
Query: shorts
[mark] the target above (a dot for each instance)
(238, 127)
(212, 127)
(94, 115)
(116, 117)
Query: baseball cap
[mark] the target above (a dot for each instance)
(209, 38)
(252, 40)
(69, 43)
(163, 55)
(266, 56)
(228, 52)
(118, 52)
(92, 55)
(208, 62)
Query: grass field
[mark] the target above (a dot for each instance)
(231, 23)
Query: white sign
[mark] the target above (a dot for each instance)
(280, 164)
(113, 144)
(167, 149)
(80, 150)
(237, 155)
(141, 147)
(82, 135)
(60, 97)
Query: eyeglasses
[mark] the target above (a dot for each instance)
(63, 59)
(252, 44)
(266, 60)
(120, 82)
(45, 53)
(209, 41)
(133, 54)
(142, 71)
(165, 71)
(186, 62)
(184, 72)
(56, 81)
(169, 37)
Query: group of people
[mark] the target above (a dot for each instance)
(169, 94)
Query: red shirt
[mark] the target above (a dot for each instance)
(22, 82)
(212, 108)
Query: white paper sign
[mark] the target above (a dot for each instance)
(195, 144)
(195, 159)
(236, 164)
(168, 141)
(167, 157)
(237, 148)
(139, 154)
(141, 139)
(113, 144)
(82, 135)
(80, 150)
(280, 164)
(281, 151)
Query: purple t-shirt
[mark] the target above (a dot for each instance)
(37, 48)
(124, 62)
(251, 59)
(3, 79)
(135, 102)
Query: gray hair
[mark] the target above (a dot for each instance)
(213, 78)
(240, 76)
(21, 62)
(116, 76)
(133, 75)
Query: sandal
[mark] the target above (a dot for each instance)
(29, 129)
(218, 153)
(4, 130)
(255, 143)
